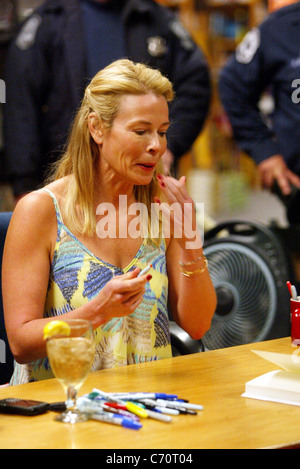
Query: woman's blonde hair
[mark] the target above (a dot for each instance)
(103, 96)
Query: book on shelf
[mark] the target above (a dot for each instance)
(281, 385)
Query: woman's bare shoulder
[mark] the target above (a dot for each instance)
(39, 204)
(35, 212)
(35, 205)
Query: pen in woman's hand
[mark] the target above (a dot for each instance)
(145, 270)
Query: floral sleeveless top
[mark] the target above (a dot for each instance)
(77, 276)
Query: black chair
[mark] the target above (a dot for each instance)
(6, 357)
(182, 343)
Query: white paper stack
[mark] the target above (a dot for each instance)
(278, 385)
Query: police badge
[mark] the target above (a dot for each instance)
(157, 46)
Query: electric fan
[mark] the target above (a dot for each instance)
(249, 271)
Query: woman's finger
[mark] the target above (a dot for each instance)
(131, 299)
(127, 284)
(174, 190)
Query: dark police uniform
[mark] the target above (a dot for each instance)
(267, 59)
(47, 71)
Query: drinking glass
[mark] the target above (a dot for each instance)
(71, 358)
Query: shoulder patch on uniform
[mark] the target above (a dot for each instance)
(248, 47)
(27, 35)
(183, 35)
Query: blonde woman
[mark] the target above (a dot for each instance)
(74, 247)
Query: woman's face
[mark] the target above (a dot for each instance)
(134, 144)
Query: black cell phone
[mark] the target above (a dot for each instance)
(12, 405)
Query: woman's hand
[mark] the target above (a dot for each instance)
(192, 299)
(121, 295)
(180, 210)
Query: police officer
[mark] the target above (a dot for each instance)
(62, 45)
(268, 59)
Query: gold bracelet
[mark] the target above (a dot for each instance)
(185, 264)
(192, 273)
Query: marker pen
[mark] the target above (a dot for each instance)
(157, 416)
(169, 404)
(117, 420)
(135, 396)
(145, 270)
(119, 411)
(99, 406)
(186, 405)
(289, 285)
(294, 292)
(129, 405)
(134, 408)
(161, 410)
(164, 410)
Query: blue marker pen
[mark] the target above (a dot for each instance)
(117, 420)
(131, 396)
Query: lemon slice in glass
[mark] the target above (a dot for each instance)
(56, 328)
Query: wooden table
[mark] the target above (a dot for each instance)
(215, 379)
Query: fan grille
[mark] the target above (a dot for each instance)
(248, 281)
